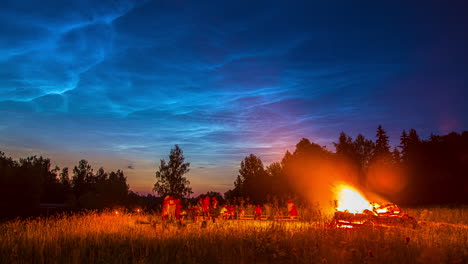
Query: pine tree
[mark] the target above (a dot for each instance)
(382, 146)
(413, 137)
(363, 148)
(345, 145)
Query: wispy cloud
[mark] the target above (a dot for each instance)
(223, 80)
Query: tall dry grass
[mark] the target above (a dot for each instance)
(454, 215)
(124, 238)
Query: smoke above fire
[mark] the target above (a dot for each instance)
(318, 175)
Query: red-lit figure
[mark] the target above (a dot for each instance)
(178, 208)
(293, 213)
(258, 212)
(232, 212)
(289, 204)
(224, 212)
(206, 207)
(172, 208)
(165, 208)
(292, 210)
(214, 212)
(199, 208)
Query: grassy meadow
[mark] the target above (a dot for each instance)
(93, 237)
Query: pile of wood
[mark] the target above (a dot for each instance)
(388, 215)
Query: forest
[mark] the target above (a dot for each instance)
(418, 172)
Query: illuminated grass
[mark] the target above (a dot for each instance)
(110, 238)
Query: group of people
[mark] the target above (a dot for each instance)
(208, 208)
(171, 208)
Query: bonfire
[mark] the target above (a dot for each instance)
(354, 210)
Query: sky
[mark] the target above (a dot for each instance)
(119, 83)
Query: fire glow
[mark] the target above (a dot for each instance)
(351, 200)
(354, 210)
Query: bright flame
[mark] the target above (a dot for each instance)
(381, 211)
(349, 199)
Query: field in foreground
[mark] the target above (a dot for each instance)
(110, 238)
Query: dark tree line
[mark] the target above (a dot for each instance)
(29, 182)
(417, 172)
(437, 168)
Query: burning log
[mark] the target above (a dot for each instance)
(353, 210)
(371, 218)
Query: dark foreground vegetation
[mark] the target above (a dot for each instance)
(138, 238)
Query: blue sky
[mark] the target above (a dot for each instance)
(120, 82)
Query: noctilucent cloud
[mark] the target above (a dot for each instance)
(120, 82)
